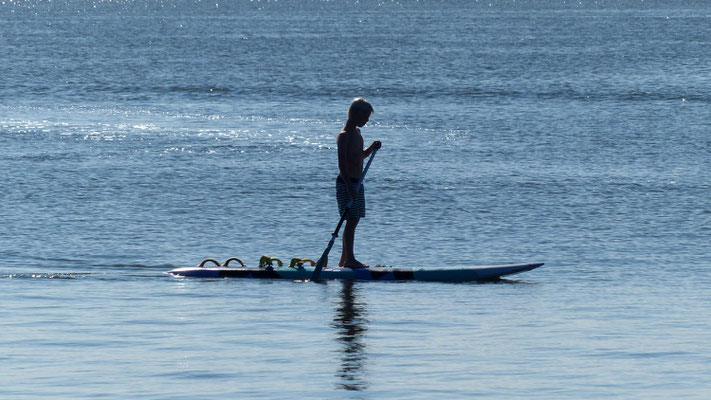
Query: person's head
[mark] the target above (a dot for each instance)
(360, 111)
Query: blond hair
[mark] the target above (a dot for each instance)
(361, 106)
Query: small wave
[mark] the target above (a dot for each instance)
(195, 89)
(47, 275)
(131, 267)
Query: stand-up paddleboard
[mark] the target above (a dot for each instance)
(297, 271)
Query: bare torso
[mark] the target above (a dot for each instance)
(350, 154)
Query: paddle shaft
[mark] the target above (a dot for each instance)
(334, 235)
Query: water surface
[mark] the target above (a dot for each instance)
(141, 136)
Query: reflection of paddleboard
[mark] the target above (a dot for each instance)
(299, 272)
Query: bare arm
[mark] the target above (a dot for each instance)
(375, 145)
(346, 164)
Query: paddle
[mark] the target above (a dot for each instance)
(322, 261)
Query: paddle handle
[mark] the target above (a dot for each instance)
(334, 235)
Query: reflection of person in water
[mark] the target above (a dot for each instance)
(352, 326)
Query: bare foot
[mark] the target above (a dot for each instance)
(354, 264)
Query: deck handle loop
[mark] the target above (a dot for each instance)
(266, 262)
(207, 260)
(298, 263)
(227, 263)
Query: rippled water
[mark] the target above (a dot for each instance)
(141, 136)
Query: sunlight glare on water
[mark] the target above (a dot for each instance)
(143, 136)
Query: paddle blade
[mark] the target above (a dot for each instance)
(320, 264)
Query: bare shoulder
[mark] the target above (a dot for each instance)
(346, 137)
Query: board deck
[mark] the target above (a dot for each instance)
(453, 274)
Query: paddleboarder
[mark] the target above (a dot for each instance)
(350, 168)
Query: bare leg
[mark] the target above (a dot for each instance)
(347, 257)
(343, 251)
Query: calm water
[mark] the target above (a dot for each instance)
(141, 136)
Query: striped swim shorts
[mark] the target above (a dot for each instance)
(357, 209)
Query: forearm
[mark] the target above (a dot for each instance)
(376, 145)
